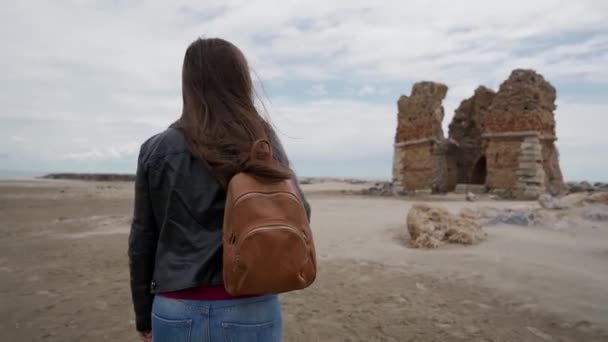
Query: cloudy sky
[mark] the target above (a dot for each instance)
(84, 83)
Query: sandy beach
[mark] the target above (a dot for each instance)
(64, 272)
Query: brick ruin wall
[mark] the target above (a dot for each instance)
(445, 166)
(530, 173)
(502, 160)
(489, 125)
(466, 130)
(522, 107)
(415, 169)
(418, 129)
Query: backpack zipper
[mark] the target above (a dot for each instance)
(251, 194)
(298, 232)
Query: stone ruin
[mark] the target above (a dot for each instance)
(434, 226)
(419, 138)
(502, 142)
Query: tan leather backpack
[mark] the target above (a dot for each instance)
(268, 246)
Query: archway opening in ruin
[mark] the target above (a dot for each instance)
(480, 171)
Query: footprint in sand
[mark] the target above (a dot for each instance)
(526, 307)
(444, 326)
(472, 330)
(581, 325)
(420, 287)
(101, 305)
(483, 306)
(46, 293)
(538, 333)
(364, 278)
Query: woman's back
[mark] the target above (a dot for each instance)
(187, 203)
(188, 206)
(175, 244)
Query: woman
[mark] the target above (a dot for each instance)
(175, 244)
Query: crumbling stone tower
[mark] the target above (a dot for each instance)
(468, 165)
(522, 108)
(417, 162)
(499, 141)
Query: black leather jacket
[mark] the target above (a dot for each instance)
(176, 235)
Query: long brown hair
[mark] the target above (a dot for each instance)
(219, 117)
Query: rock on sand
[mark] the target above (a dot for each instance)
(433, 226)
(552, 203)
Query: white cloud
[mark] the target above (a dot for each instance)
(582, 124)
(318, 90)
(112, 152)
(79, 140)
(367, 90)
(582, 140)
(82, 76)
(94, 154)
(335, 129)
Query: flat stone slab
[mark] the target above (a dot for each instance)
(539, 178)
(531, 159)
(527, 173)
(530, 165)
(472, 188)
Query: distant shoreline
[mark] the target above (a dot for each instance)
(576, 186)
(113, 177)
(98, 177)
(19, 175)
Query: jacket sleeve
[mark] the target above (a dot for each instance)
(142, 250)
(281, 156)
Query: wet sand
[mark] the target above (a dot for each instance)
(64, 274)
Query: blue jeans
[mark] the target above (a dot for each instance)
(237, 320)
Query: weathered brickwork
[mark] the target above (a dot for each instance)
(418, 166)
(418, 128)
(485, 138)
(528, 122)
(523, 107)
(530, 173)
(467, 128)
(502, 158)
